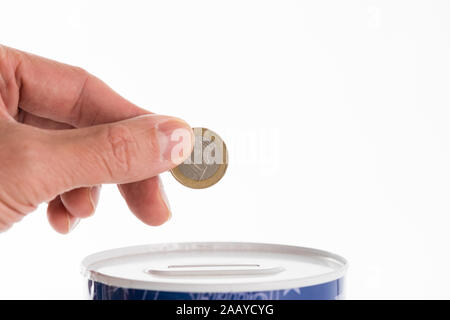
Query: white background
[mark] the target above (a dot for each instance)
(336, 113)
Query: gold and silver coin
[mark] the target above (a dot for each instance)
(207, 163)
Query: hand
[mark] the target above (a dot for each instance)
(63, 134)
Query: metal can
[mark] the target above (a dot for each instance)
(214, 271)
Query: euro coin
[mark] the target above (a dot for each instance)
(207, 163)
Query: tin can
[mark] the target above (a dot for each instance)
(214, 271)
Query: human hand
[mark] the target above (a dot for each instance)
(63, 134)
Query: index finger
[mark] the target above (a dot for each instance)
(68, 94)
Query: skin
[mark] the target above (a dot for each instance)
(64, 133)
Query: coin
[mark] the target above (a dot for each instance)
(207, 163)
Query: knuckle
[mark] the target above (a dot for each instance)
(122, 150)
(9, 79)
(3, 53)
(80, 73)
(77, 109)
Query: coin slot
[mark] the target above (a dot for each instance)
(214, 266)
(249, 269)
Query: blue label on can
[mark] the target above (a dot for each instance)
(326, 291)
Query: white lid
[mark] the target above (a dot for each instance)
(213, 267)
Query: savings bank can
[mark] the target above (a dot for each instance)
(214, 271)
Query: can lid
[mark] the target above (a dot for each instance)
(213, 267)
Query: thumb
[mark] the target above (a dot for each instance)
(121, 152)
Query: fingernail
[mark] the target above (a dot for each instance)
(175, 138)
(163, 195)
(74, 224)
(94, 195)
(71, 225)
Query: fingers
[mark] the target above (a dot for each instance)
(122, 152)
(68, 94)
(148, 201)
(81, 202)
(60, 218)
